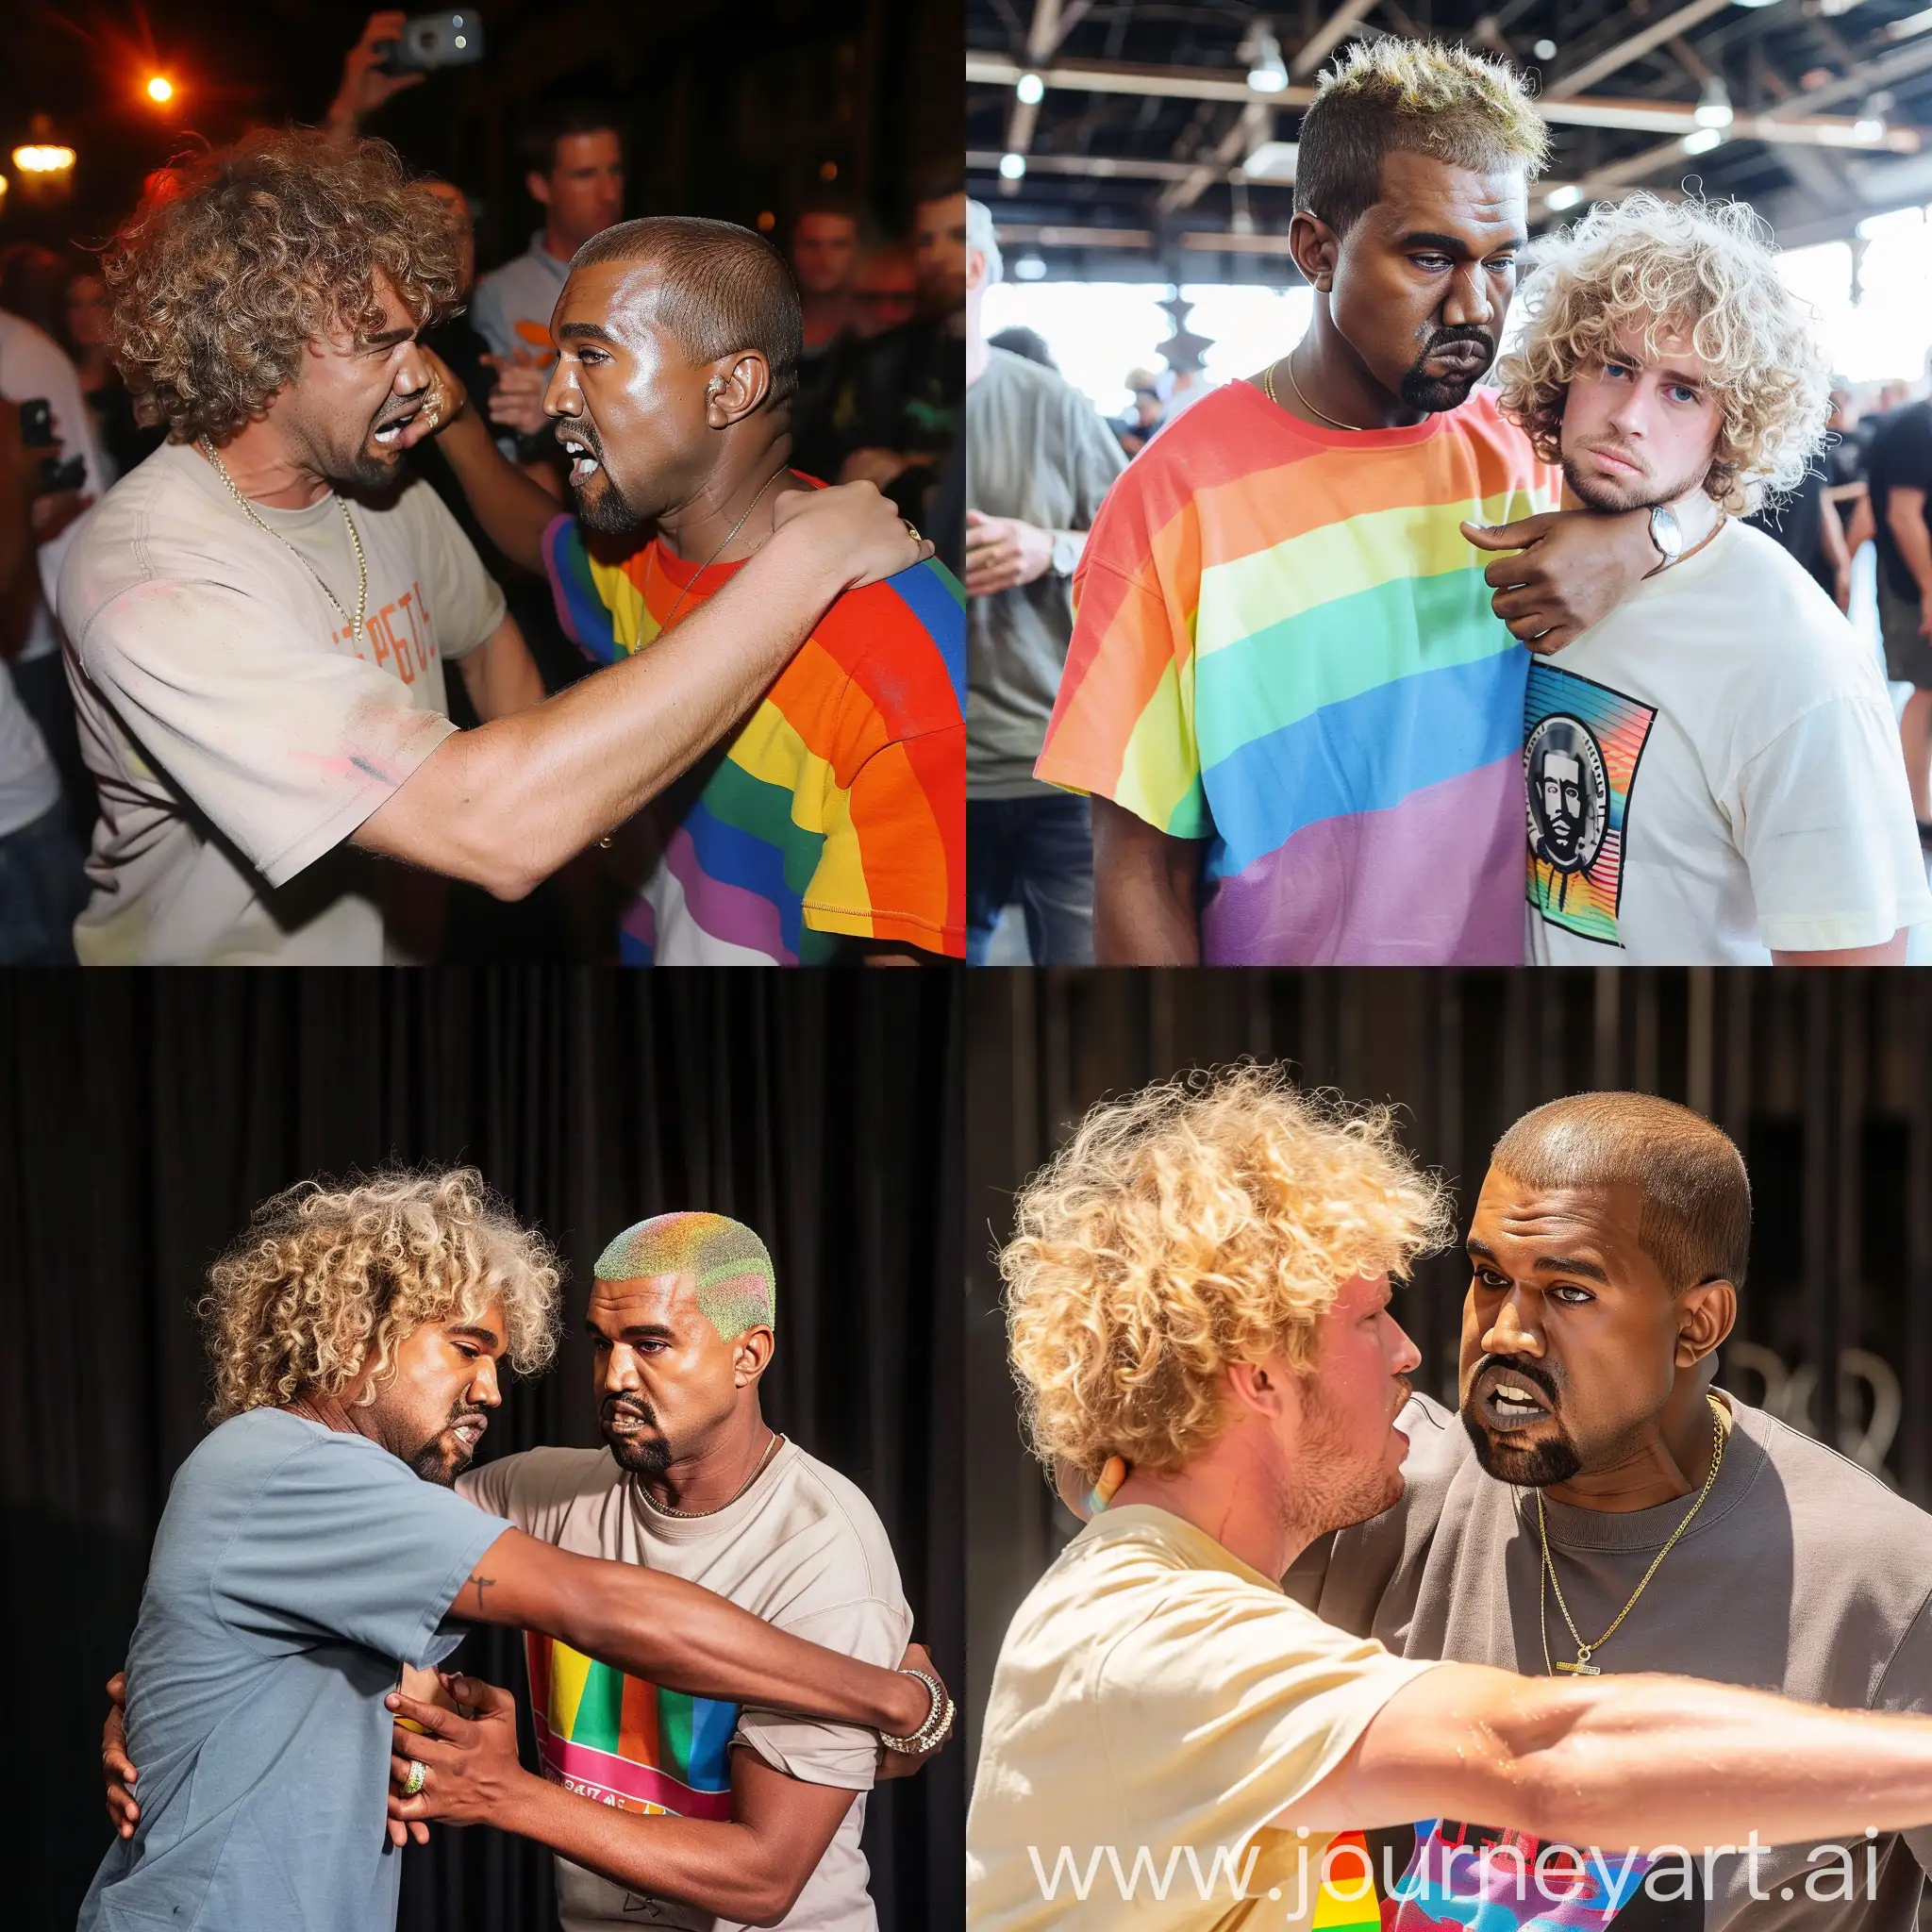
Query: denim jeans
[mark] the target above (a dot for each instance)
(1038, 851)
(42, 889)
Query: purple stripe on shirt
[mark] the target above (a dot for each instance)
(1333, 893)
(726, 911)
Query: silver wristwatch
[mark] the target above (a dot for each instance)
(1667, 533)
(1066, 553)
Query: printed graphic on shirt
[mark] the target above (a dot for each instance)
(1477, 1875)
(398, 637)
(1581, 745)
(626, 1742)
(535, 337)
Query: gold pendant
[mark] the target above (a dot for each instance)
(1581, 1668)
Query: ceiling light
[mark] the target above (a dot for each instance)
(1560, 199)
(1012, 167)
(1756, 2)
(1714, 106)
(1274, 160)
(1031, 90)
(1267, 70)
(1544, 50)
(1868, 127)
(1030, 268)
(1701, 141)
(160, 89)
(42, 158)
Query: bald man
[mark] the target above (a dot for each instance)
(1606, 1252)
(668, 1810)
(829, 825)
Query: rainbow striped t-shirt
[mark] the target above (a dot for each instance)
(1283, 645)
(838, 810)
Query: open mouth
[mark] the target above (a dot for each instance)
(1510, 1402)
(391, 432)
(584, 461)
(468, 1432)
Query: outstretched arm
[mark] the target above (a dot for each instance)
(1564, 571)
(675, 1634)
(1617, 1761)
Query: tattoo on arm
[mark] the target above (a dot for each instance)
(481, 1583)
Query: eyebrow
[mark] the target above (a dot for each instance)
(475, 1332)
(654, 1331)
(588, 331)
(1546, 1264)
(389, 338)
(1453, 245)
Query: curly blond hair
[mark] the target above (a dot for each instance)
(1199, 1222)
(330, 1277)
(1429, 97)
(1705, 271)
(232, 264)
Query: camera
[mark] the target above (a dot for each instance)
(435, 39)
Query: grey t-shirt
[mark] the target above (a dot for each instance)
(1036, 449)
(294, 1571)
(1802, 1573)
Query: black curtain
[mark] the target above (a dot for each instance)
(141, 1116)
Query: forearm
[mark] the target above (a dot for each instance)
(687, 1638)
(1653, 1759)
(513, 509)
(506, 805)
(1145, 894)
(721, 1867)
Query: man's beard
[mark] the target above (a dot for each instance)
(432, 1464)
(1334, 1486)
(1554, 1460)
(1594, 495)
(610, 512)
(640, 1455)
(1436, 393)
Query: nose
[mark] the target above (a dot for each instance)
(621, 1372)
(1510, 1334)
(413, 372)
(484, 1390)
(1468, 304)
(1405, 1357)
(561, 395)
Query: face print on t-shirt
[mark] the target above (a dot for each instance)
(1582, 742)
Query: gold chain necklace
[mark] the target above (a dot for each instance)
(355, 627)
(1287, 362)
(1547, 1575)
(772, 1449)
(717, 553)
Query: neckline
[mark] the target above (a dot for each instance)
(1127, 1517)
(1409, 437)
(665, 1527)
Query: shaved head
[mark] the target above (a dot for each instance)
(729, 1266)
(1695, 1218)
(717, 289)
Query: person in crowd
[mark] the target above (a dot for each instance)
(1806, 522)
(885, 292)
(83, 333)
(574, 152)
(1199, 1284)
(1298, 710)
(891, 407)
(829, 825)
(1017, 341)
(1136, 430)
(364, 88)
(34, 368)
(1711, 771)
(1038, 462)
(313, 1542)
(822, 250)
(258, 621)
(1898, 481)
(42, 884)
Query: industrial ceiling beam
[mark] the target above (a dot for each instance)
(1042, 37)
(1633, 48)
(1329, 35)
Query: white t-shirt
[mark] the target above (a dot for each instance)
(801, 1548)
(237, 734)
(1714, 773)
(29, 786)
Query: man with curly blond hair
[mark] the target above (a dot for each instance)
(1714, 776)
(312, 1547)
(1198, 1284)
(260, 613)
(1289, 690)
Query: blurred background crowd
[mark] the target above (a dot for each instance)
(1133, 164)
(833, 130)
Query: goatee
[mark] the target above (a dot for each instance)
(1552, 1461)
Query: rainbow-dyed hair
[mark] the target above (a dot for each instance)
(737, 1288)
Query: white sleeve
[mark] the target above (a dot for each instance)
(1825, 824)
(285, 746)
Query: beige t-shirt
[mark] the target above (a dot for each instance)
(1156, 1703)
(237, 734)
(801, 1548)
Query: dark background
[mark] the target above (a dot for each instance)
(730, 110)
(142, 1117)
(1823, 1079)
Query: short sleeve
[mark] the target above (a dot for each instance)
(1908, 452)
(488, 318)
(1824, 821)
(1906, 1688)
(346, 1541)
(1123, 724)
(821, 1754)
(587, 619)
(286, 748)
(467, 603)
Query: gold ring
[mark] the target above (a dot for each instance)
(419, 1776)
(911, 530)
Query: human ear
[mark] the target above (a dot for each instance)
(1706, 1315)
(738, 385)
(1314, 246)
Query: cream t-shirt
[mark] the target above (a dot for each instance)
(1714, 773)
(237, 734)
(802, 1548)
(1155, 1703)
